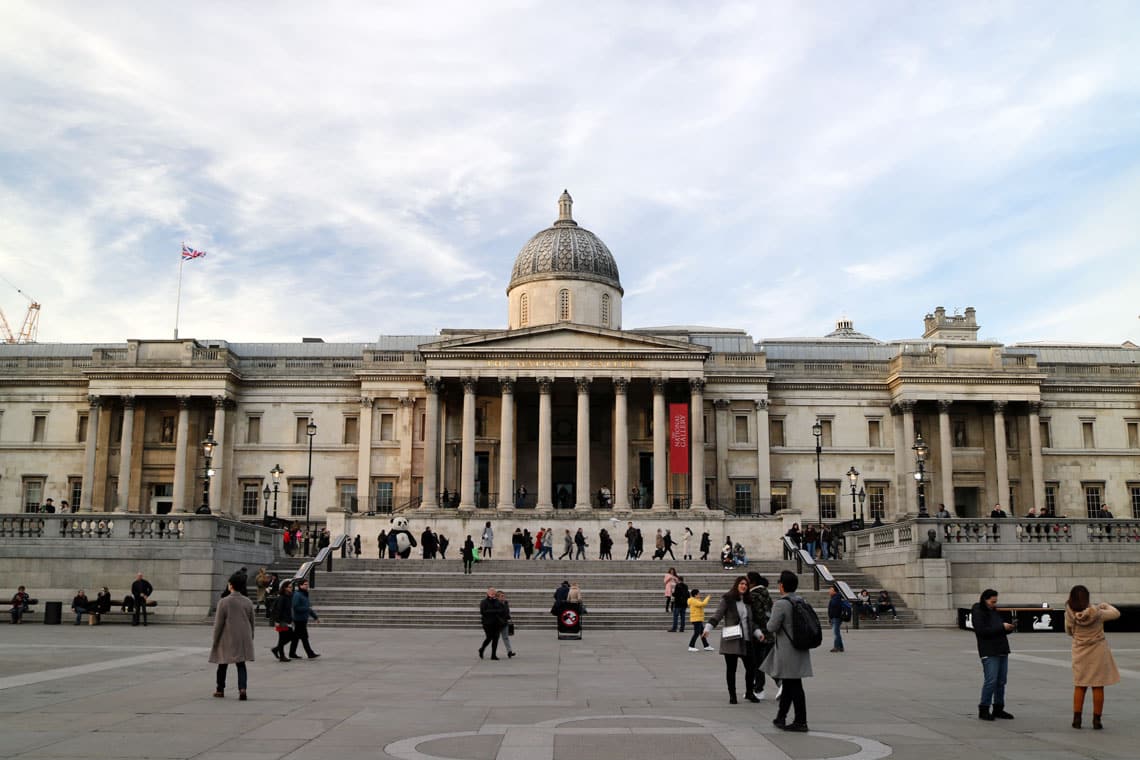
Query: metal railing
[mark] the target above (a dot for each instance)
(821, 575)
(308, 570)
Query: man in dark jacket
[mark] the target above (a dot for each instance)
(140, 593)
(993, 647)
(835, 608)
(302, 613)
(758, 588)
(680, 604)
(491, 615)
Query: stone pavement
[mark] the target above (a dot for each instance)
(120, 692)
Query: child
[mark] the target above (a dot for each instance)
(697, 618)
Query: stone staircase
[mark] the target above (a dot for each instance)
(619, 594)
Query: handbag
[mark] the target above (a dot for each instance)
(510, 629)
(732, 632)
(282, 628)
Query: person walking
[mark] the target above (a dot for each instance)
(697, 618)
(667, 544)
(785, 662)
(506, 625)
(233, 636)
(567, 546)
(1093, 664)
(835, 606)
(382, 543)
(706, 545)
(630, 541)
(992, 634)
(468, 555)
(488, 541)
(283, 620)
(140, 594)
(490, 616)
(758, 588)
(302, 613)
(741, 627)
(517, 542)
(687, 544)
(356, 546)
(261, 580)
(659, 546)
(580, 545)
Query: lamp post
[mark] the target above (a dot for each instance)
(310, 430)
(853, 476)
(817, 431)
(862, 498)
(920, 451)
(208, 453)
(265, 494)
(276, 472)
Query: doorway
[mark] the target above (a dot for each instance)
(482, 470)
(565, 472)
(161, 498)
(645, 477)
(966, 501)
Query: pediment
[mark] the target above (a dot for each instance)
(562, 339)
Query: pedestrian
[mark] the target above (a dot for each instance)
(741, 627)
(442, 542)
(667, 546)
(635, 496)
(810, 536)
(836, 606)
(233, 636)
(697, 618)
(283, 620)
(1093, 665)
(262, 583)
(706, 545)
(670, 581)
(517, 542)
(490, 615)
(686, 544)
(638, 544)
(468, 554)
(630, 541)
(488, 541)
(784, 661)
(506, 625)
(528, 543)
(382, 543)
(659, 546)
(605, 545)
(825, 542)
(580, 544)
(302, 613)
(140, 595)
(992, 634)
(680, 604)
(758, 588)
(567, 546)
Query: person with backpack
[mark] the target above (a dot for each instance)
(758, 587)
(741, 616)
(795, 629)
(838, 611)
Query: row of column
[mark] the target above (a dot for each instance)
(621, 451)
(946, 455)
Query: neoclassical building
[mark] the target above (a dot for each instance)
(579, 411)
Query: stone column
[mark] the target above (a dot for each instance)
(431, 445)
(621, 444)
(507, 444)
(909, 467)
(404, 431)
(86, 503)
(697, 442)
(583, 490)
(660, 448)
(364, 455)
(543, 497)
(763, 459)
(182, 469)
(467, 455)
(126, 453)
(217, 481)
(723, 490)
(1002, 459)
(946, 458)
(1037, 464)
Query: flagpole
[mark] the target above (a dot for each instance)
(178, 297)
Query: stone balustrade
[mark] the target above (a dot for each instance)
(1006, 531)
(120, 526)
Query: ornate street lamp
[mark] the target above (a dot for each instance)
(920, 450)
(310, 430)
(276, 472)
(862, 498)
(853, 476)
(265, 494)
(208, 446)
(817, 431)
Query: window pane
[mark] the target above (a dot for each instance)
(877, 501)
(874, 438)
(1051, 498)
(166, 435)
(298, 499)
(351, 430)
(779, 497)
(384, 496)
(348, 497)
(828, 498)
(1094, 498)
(250, 497)
(33, 495)
(387, 423)
(1134, 435)
(743, 497)
(1134, 493)
(75, 488)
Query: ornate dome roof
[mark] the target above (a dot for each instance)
(565, 251)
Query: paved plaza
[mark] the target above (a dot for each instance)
(120, 692)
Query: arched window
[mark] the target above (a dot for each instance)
(564, 305)
(605, 309)
(524, 310)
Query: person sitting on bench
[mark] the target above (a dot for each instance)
(80, 604)
(20, 601)
(885, 605)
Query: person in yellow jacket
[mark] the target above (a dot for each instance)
(697, 618)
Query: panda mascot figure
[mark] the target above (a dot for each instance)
(402, 536)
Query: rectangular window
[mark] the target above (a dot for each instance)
(960, 431)
(33, 489)
(423, 426)
(825, 439)
(298, 498)
(302, 434)
(829, 500)
(1094, 498)
(384, 491)
(1087, 435)
(1046, 435)
(39, 428)
(1051, 498)
(877, 502)
(253, 429)
(387, 427)
(742, 498)
(166, 434)
(874, 434)
(775, 432)
(742, 428)
(1134, 497)
(780, 496)
(250, 497)
(351, 430)
(81, 428)
(75, 488)
(346, 492)
(1134, 435)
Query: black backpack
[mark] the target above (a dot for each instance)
(806, 631)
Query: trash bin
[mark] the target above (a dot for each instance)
(53, 613)
(569, 616)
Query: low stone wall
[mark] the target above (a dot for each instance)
(1030, 562)
(187, 558)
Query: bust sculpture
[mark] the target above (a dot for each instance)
(931, 547)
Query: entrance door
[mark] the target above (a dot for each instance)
(564, 471)
(482, 470)
(645, 476)
(966, 501)
(161, 498)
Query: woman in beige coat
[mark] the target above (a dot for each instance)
(233, 635)
(1092, 659)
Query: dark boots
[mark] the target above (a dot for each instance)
(999, 712)
(750, 695)
(1076, 720)
(984, 712)
(1096, 722)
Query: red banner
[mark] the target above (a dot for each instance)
(679, 439)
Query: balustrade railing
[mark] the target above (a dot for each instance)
(123, 526)
(1016, 531)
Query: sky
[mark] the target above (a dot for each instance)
(363, 169)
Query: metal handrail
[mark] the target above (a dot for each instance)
(308, 570)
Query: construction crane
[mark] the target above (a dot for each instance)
(30, 327)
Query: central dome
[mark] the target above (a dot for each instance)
(565, 251)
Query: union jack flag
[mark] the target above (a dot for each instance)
(189, 253)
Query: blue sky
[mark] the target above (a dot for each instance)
(367, 169)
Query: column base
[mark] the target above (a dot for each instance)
(508, 507)
(466, 507)
(544, 508)
(582, 507)
(699, 507)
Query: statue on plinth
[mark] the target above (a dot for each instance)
(931, 547)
